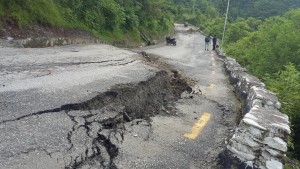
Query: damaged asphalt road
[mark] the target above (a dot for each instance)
(98, 106)
(196, 136)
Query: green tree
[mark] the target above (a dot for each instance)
(260, 9)
(286, 83)
(266, 51)
(27, 12)
(274, 50)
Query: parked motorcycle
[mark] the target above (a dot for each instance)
(170, 40)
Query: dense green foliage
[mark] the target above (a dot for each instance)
(286, 83)
(273, 45)
(271, 51)
(241, 28)
(108, 19)
(112, 19)
(200, 13)
(268, 45)
(26, 12)
(259, 9)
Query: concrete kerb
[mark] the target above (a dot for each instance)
(46, 42)
(261, 136)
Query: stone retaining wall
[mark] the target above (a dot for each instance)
(45, 42)
(260, 140)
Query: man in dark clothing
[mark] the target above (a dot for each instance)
(207, 42)
(214, 42)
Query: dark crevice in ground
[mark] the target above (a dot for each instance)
(122, 104)
(135, 98)
(112, 149)
(140, 101)
(71, 132)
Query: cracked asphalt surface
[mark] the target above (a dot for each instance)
(36, 80)
(164, 144)
(64, 107)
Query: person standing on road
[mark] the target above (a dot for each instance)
(214, 42)
(207, 42)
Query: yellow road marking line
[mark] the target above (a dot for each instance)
(198, 126)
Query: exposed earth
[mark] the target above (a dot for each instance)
(98, 106)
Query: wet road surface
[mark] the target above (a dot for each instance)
(195, 136)
(39, 88)
(56, 113)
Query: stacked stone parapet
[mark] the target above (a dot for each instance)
(261, 136)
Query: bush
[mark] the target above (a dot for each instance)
(25, 12)
(272, 54)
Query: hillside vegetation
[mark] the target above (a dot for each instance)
(259, 9)
(263, 35)
(271, 51)
(106, 19)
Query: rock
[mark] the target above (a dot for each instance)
(253, 123)
(185, 95)
(196, 90)
(282, 126)
(153, 42)
(277, 105)
(276, 143)
(242, 155)
(261, 133)
(274, 153)
(269, 103)
(10, 38)
(247, 140)
(273, 164)
(248, 164)
(143, 53)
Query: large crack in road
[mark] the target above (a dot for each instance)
(126, 102)
(93, 112)
(102, 117)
